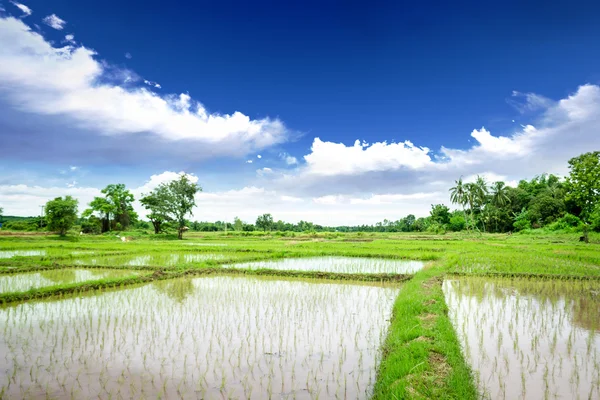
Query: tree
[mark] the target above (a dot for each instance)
(440, 213)
(238, 225)
(583, 182)
(61, 214)
(459, 195)
(156, 204)
(1, 213)
(116, 203)
(264, 222)
(176, 200)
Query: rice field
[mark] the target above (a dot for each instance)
(21, 253)
(381, 316)
(346, 265)
(34, 280)
(150, 259)
(529, 339)
(216, 337)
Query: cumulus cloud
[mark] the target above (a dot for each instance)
(164, 177)
(69, 81)
(24, 9)
(327, 158)
(54, 21)
(70, 39)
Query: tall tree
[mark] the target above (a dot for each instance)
(583, 184)
(499, 196)
(238, 225)
(458, 195)
(264, 222)
(174, 201)
(117, 204)
(61, 214)
(156, 204)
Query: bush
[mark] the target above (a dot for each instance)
(568, 222)
(457, 223)
(521, 224)
(20, 226)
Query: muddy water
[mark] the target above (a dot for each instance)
(338, 264)
(32, 280)
(217, 337)
(529, 339)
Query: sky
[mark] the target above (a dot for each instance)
(335, 112)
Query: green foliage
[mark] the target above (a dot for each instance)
(238, 225)
(115, 208)
(264, 222)
(583, 182)
(172, 201)
(61, 214)
(594, 218)
(440, 214)
(522, 221)
(457, 223)
(568, 222)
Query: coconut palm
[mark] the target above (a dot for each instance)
(499, 196)
(458, 195)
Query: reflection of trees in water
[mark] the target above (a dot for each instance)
(178, 290)
(586, 312)
(582, 298)
(59, 276)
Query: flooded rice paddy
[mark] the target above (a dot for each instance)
(21, 253)
(33, 280)
(352, 265)
(215, 337)
(158, 259)
(529, 339)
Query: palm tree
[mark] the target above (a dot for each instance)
(499, 196)
(458, 195)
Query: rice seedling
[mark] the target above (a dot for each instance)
(235, 337)
(553, 332)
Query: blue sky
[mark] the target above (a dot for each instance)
(135, 92)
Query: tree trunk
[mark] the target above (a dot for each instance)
(156, 225)
(180, 233)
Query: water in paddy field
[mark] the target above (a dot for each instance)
(527, 339)
(21, 253)
(351, 265)
(157, 259)
(215, 337)
(33, 280)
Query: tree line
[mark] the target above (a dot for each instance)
(546, 201)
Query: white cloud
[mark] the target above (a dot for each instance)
(42, 79)
(54, 21)
(128, 56)
(72, 184)
(73, 168)
(24, 9)
(70, 38)
(153, 84)
(289, 160)
(264, 171)
(328, 158)
(259, 156)
(249, 162)
(164, 177)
